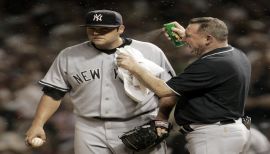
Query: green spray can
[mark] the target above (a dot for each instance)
(174, 37)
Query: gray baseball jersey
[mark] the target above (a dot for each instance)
(90, 77)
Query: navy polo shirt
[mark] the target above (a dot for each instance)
(212, 88)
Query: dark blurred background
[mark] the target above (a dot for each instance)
(33, 32)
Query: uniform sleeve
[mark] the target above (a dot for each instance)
(195, 77)
(56, 77)
(169, 71)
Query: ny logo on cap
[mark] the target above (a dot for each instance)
(97, 17)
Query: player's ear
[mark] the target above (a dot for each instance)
(121, 29)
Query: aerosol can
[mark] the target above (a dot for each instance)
(174, 37)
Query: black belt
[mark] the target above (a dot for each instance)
(187, 129)
(123, 119)
(228, 121)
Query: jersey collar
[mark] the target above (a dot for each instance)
(217, 51)
(126, 41)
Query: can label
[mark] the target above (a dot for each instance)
(174, 37)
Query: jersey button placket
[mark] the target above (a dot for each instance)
(107, 110)
(106, 99)
(106, 106)
(108, 124)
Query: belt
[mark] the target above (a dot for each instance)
(123, 119)
(184, 129)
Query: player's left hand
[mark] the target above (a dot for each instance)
(126, 61)
(147, 135)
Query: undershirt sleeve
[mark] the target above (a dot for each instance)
(54, 93)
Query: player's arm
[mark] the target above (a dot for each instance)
(49, 103)
(45, 110)
(158, 86)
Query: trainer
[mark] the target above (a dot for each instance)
(211, 91)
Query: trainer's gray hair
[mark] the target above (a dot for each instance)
(212, 26)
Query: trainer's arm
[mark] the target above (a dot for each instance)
(158, 86)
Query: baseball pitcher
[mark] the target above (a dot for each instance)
(88, 74)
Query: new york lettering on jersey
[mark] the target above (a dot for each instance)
(91, 74)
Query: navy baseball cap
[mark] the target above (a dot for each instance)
(103, 18)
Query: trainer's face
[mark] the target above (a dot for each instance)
(195, 40)
(104, 36)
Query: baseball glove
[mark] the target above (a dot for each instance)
(147, 135)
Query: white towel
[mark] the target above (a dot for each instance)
(133, 88)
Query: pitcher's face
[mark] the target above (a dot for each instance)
(104, 36)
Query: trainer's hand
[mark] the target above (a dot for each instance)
(126, 61)
(178, 29)
(34, 131)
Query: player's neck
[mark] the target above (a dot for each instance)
(118, 42)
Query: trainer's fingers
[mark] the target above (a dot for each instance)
(177, 25)
(165, 32)
(163, 29)
(179, 32)
(166, 35)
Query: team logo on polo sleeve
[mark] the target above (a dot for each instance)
(97, 17)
